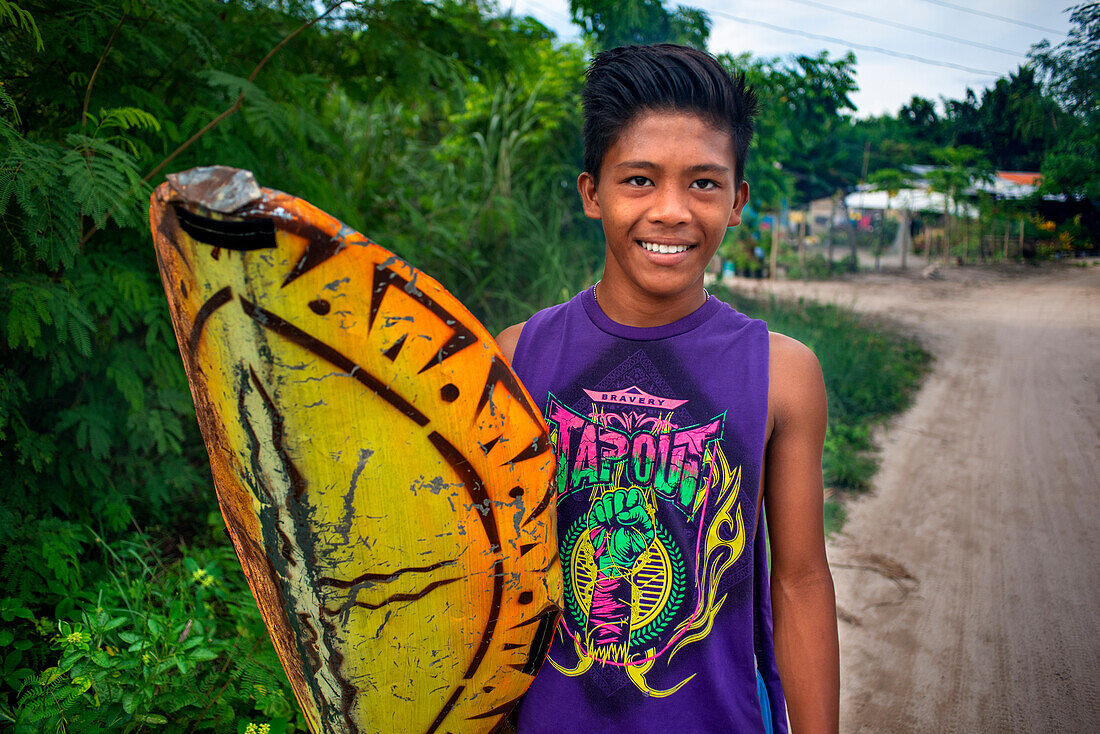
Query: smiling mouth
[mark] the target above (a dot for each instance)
(664, 249)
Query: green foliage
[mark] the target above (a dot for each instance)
(1014, 123)
(804, 109)
(97, 430)
(920, 117)
(486, 203)
(870, 373)
(815, 267)
(890, 180)
(620, 23)
(1071, 168)
(178, 646)
(847, 461)
(12, 14)
(835, 514)
(1072, 68)
(1071, 72)
(448, 133)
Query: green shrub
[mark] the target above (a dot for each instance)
(179, 647)
(847, 462)
(835, 515)
(871, 372)
(815, 267)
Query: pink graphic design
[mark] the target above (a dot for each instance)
(671, 462)
(657, 528)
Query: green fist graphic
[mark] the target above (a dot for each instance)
(620, 529)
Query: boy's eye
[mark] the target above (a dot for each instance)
(705, 184)
(638, 181)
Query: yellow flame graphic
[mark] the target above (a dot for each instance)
(719, 554)
(637, 672)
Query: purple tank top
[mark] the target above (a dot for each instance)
(659, 434)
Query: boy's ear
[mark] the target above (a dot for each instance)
(586, 185)
(739, 202)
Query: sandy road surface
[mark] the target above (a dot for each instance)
(969, 582)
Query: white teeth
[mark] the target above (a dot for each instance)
(664, 249)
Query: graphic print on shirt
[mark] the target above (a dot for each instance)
(644, 558)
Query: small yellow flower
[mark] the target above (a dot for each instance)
(264, 728)
(146, 658)
(251, 729)
(199, 574)
(77, 638)
(207, 581)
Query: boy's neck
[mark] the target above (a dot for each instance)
(632, 309)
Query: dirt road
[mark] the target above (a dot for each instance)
(969, 582)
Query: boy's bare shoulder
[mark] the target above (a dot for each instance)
(795, 382)
(789, 354)
(509, 338)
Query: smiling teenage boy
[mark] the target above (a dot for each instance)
(675, 420)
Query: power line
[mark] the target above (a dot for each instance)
(914, 29)
(864, 47)
(994, 16)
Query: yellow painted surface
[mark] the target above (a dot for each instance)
(391, 503)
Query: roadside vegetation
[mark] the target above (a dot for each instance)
(871, 373)
(448, 131)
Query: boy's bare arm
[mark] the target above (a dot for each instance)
(803, 601)
(508, 339)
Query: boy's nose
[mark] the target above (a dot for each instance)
(670, 206)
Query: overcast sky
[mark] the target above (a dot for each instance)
(886, 82)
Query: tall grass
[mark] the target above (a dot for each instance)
(871, 372)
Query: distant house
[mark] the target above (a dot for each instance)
(865, 200)
(1011, 184)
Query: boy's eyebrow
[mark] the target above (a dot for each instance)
(699, 168)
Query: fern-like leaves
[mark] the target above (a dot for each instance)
(12, 14)
(104, 181)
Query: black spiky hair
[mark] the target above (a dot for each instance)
(625, 82)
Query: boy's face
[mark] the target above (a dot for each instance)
(667, 193)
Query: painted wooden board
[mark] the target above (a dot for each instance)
(385, 478)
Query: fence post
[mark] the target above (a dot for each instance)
(966, 234)
(802, 240)
(775, 248)
(832, 227)
(928, 242)
(905, 236)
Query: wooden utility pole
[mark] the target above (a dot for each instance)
(851, 227)
(981, 239)
(832, 226)
(802, 240)
(881, 244)
(1007, 227)
(928, 242)
(1021, 236)
(905, 236)
(946, 231)
(775, 247)
(966, 233)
